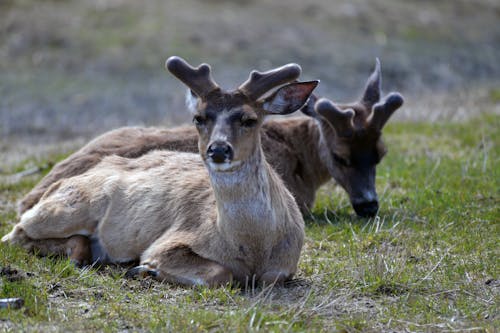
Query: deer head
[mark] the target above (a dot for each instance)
(351, 140)
(228, 123)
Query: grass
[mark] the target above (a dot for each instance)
(428, 262)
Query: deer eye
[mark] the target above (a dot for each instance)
(341, 161)
(249, 122)
(199, 120)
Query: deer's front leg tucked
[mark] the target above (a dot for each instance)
(281, 265)
(180, 265)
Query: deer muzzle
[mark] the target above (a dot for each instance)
(366, 208)
(220, 152)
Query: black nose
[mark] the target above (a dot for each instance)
(366, 209)
(220, 152)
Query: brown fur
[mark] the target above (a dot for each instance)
(290, 146)
(304, 151)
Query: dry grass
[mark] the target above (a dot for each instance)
(428, 262)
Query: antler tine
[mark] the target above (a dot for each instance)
(383, 111)
(341, 120)
(371, 94)
(199, 80)
(260, 83)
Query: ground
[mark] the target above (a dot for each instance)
(70, 70)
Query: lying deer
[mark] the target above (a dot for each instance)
(190, 220)
(343, 142)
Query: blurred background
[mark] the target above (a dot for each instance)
(72, 69)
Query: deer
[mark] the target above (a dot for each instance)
(340, 141)
(220, 216)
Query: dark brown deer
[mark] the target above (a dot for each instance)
(343, 142)
(350, 144)
(190, 220)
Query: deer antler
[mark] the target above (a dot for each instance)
(308, 108)
(198, 79)
(341, 120)
(371, 94)
(383, 111)
(260, 83)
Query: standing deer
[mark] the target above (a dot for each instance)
(190, 220)
(343, 142)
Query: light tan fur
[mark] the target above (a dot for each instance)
(188, 219)
(148, 207)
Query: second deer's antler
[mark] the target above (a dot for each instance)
(341, 120)
(382, 111)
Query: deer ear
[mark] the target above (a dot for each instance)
(289, 98)
(371, 94)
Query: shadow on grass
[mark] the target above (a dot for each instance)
(335, 217)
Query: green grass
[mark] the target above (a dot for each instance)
(428, 262)
(495, 95)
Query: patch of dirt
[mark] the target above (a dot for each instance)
(14, 274)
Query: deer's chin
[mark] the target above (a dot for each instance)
(224, 167)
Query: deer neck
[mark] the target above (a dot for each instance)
(246, 198)
(306, 139)
(315, 155)
(327, 141)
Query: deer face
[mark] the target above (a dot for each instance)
(352, 161)
(228, 123)
(228, 128)
(351, 141)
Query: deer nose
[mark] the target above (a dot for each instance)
(366, 208)
(220, 152)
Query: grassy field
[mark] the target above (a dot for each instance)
(71, 69)
(428, 262)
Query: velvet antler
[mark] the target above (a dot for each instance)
(260, 83)
(199, 80)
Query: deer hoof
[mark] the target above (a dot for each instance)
(6, 238)
(141, 271)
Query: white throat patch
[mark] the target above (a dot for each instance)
(223, 167)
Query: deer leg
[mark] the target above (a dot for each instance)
(80, 253)
(63, 213)
(282, 262)
(180, 265)
(76, 247)
(57, 225)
